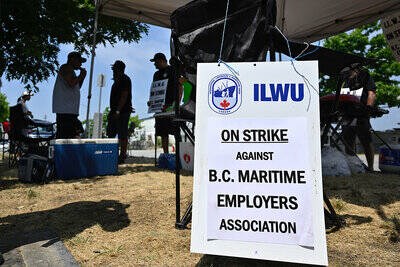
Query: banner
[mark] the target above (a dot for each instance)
(157, 95)
(257, 175)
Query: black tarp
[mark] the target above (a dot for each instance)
(198, 26)
(330, 62)
(197, 30)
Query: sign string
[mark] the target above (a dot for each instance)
(236, 73)
(306, 81)
(230, 68)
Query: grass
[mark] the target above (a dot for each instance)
(128, 220)
(392, 227)
(338, 204)
(32, 193)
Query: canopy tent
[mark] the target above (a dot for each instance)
(299, 20)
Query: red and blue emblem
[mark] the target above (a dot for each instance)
(224, 94)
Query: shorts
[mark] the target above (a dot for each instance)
(165, 127)
(118, 126)
(68, 126)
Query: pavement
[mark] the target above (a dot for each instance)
(35, 249)
(149, 153)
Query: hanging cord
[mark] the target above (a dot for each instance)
(306, 81)
(304, 50)
(223, 31)
(313, 51)
(231, 69)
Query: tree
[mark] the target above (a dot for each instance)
(91, 126)
(4, 109)
(136, 121)
(32, 32)
(369, 41)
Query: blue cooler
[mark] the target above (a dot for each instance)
(79, 158)
(389, 161)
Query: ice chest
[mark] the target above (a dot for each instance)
(389, 160)
(78, 158)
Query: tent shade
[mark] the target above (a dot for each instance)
(300, 20)
(311, 20)
(156, 12)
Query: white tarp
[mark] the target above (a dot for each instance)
(300, 20)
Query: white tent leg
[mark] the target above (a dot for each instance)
(93, 51)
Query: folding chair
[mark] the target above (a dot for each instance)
(25, 136)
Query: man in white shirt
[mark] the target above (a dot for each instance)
(66, 97)
(26, 96)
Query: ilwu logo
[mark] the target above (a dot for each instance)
(224, 94)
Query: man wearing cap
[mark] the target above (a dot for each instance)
(26, 96)
(165, 126)
(66, 96)
(120, 107)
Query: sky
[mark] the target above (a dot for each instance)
(138, 67)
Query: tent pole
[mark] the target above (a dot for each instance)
(93, 52)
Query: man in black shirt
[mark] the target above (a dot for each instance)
(120, 107)
(165, 126)
(356, 79)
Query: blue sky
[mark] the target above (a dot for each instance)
(138, 67)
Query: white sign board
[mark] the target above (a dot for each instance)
(391, 29)
(101, 80)
(157, 95)
(258, 183)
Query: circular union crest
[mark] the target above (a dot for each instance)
(224, 94)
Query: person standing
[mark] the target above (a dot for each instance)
(66, 96)
(26, 96)
(359, 79)
(165, 126)
(120, 107)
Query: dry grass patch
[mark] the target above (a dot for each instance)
(128, 219)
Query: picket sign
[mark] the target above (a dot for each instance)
(257, 171)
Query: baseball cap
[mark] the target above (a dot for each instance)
(76, 54)
(158, 56)
(26, 93)
(118, 65)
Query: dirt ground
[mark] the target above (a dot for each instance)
(128, 219)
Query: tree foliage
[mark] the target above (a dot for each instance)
(369, 41)
(32, 32)
(4, 109)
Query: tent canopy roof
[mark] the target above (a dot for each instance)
(300, 20)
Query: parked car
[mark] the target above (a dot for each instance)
(41, 129)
